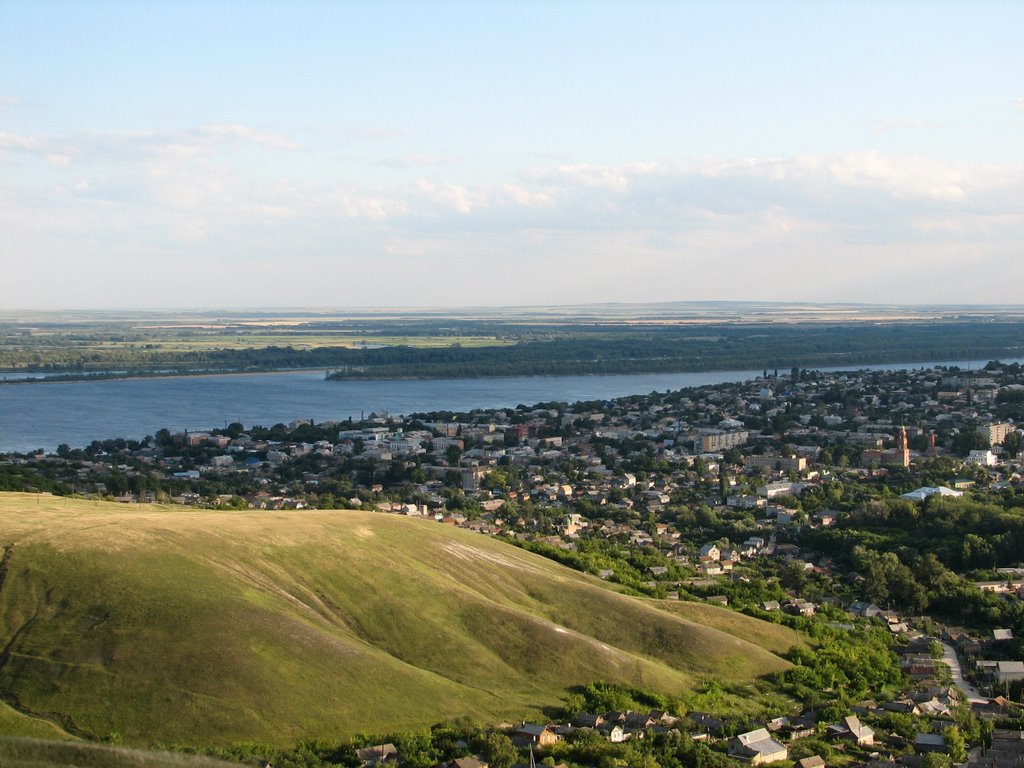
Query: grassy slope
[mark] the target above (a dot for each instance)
(33, 753)
(179, 625)
(14, 723)
(770, 636)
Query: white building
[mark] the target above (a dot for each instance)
(920, 494)
(982, 458)
(1009, 670)
(758, 747)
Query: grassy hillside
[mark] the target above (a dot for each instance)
(168, 624)
(14, 723)
(33, 753)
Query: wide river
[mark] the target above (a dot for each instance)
(47, 414)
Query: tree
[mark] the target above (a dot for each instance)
(499, 750)
(936, 760)
(969, 440)
(956, 746)
(794, 576)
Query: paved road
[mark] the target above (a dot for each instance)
(949, 656)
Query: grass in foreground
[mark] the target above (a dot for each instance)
(14, 723)
(170, 624)
(35, 753)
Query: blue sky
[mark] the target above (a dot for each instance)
(420, 154)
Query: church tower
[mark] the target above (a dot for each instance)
(903, 447)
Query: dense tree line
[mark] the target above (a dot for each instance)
(671, 349)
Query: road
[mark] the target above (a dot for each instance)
(973, 694)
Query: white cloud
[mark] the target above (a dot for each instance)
(136, 146)
(246, 134)
(11, 141)
(852, 226)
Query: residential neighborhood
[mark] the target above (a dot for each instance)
(743, 496)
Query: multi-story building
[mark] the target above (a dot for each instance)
(715, 441)
(996, 433)
(783, 463)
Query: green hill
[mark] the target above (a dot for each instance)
(34, 753)
(171, 624)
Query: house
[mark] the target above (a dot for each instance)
(528, 733)
(933, 708)
(378, 754)
(730, 556)
(616, 734)
(636, 721)
(997, 707)
(799, 607)
(825, 519)
(851, 729)
(902, 706)
(473, 761)
(1007, 749)
(929, 742)
(864, 707)
(752, 546)
(814, 761)
(864, 609)
(758, 747)
(787, 551)
(589, 720)
(664, 718)
(1007, 671)
(918, 666)
(709, 552)
(706, 723)
(802, 727)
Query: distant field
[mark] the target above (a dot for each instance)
(170, 624)
(298, 340)
(425, 343)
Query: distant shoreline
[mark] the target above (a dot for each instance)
(328, 376)
(142, 376)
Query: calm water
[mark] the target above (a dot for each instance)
(46, 415)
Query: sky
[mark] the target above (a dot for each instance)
(354, 154)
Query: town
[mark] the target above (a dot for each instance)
(874, 510)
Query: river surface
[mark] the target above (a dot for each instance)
(44, 415)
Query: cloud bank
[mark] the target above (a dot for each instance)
(227, 214)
